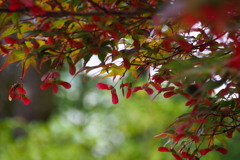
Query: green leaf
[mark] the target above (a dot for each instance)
(15, 56)
(10, 30)
(30, 61)
(58, 23)
(103, 53)
(102, 56)
(87, 57)
(15, 19)
(4, 18)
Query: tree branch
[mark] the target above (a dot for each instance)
(83, 14)
(97, 6)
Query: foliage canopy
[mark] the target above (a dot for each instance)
(192, 48)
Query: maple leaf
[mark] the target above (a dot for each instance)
(16, 56)
(10, 40)
(204, 151)
(222, 150)
(163, 149)
(15, 5)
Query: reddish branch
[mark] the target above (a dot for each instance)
(85, 14)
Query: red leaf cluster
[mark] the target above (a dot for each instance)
(49, 76)
(96, 18)
(184, 44)
(17, 91)
(138, 3)
(195, 138)
(54, 85)
(176, 156)
(104, 86)
(143, 87)
(158, 45)
(219, 149)
(179, 137)
(115, 52)
(186, 155)
(36, 10)
(230, 133)
(126, 63)
(129, 89)
(50, 79)
(50, 40)
(119, 27)
(4, 50)
(157, 87)
(157, 79)
(35, 44)
(15, 5)
(10, 40)
(234, 62)
(18, 4)
(90, 27)
(181, 128)
(75, 44)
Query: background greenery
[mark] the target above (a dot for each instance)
(86, 126)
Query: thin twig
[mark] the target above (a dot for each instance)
(60, 6)
(98, 6)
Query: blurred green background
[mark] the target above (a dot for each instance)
(82, 124)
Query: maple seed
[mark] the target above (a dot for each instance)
(191, 102)
(65, 84)
(143, 87)
(204, 151)
(157, 87)
(26, 101)
(195, 138)
(129, 92)
(222, 150)
(163, 149)
(103, 86)
(54, 88)
(114, 98)
(18, 92)
(179, 137)
(135, 89)
(169, 94)
(149, 91)
(21, 90)
(186, 155)
(45, 86)
(177, 157)
(109, 87)
(72, 68)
